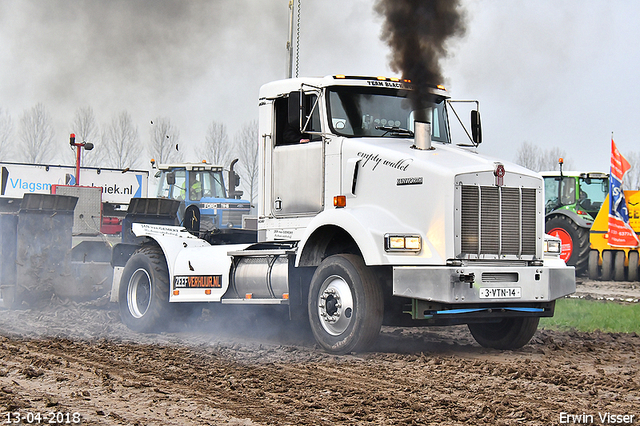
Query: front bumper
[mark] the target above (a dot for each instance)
(464, 284)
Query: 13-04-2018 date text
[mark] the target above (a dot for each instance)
(49, 418)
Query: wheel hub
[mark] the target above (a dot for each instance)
(139, 293)
(335, 305)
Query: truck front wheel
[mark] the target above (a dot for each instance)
(144, 290)
(509, 333)
(345, 305)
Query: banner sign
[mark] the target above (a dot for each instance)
(620, 233)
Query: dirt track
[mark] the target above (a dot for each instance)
(68, 358)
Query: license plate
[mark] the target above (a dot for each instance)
(199, 281)
(500, 293)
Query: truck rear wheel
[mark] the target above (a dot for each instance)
(144, 290)
(575, 241)
(345, 305)
(509, 333)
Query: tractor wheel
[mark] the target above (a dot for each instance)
(593, 268)
(144, 290)
(607, 265)
(345, 304)
(509, 333)
(632, 270)
(618, 265)
(575, 241)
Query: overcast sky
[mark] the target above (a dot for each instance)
(551, 73)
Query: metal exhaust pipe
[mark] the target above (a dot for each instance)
(422, 132)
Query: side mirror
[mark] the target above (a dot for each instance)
(236, 180)
(295, 104)
(171, 178)
(476, 127)
(88, 146)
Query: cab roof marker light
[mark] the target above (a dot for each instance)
(340, 76)
(441, 87)
(381, 78)
(394, 79)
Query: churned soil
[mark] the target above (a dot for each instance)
(241, 368)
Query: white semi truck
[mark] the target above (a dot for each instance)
(368, 213)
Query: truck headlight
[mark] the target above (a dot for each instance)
(410, 243)
(552, 245)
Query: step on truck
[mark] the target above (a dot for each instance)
(368, 214)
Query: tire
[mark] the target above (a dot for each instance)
(575, 241)
(510, 333)
(144, 290)
(632, 270)
(618, 265)
(594, 272)
(607, 265)
(345, 305)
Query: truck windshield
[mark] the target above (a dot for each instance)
(371, 111)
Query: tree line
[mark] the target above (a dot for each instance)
(537, 159)
(117, 144)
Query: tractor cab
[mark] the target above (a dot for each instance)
(202, 185)
(580, 192)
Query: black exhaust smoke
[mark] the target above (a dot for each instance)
(417, 32)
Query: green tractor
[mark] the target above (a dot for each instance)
(572, 201)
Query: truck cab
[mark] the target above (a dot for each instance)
(202, 185)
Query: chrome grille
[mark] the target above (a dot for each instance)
(498, 220)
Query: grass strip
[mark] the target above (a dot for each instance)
(591, 315)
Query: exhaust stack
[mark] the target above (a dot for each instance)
(422, 135)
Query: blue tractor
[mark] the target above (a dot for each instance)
(202, 185)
